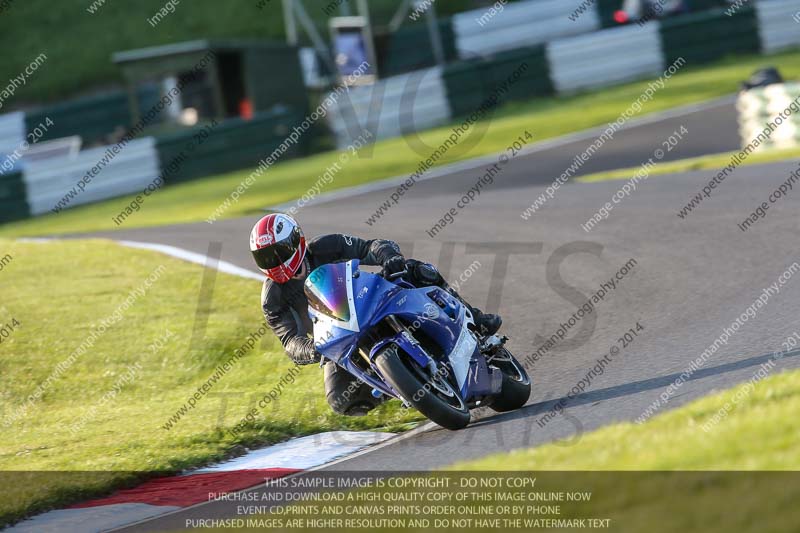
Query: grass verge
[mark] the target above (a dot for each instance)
(544, 118)
(103, 413)
(668, 474)
(758, 433)
(755, 430)
(707, 162)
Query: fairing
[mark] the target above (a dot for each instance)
(347, 303)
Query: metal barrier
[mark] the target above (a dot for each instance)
(606, 57)
(392, 107)
(778, 23)
(55, 180)
(12, 131)
(508, 26)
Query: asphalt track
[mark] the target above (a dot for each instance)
(692, 278)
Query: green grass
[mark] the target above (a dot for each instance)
(666, 475)
(761, 432)
(544, 118)
(59, 292)
(706, 162)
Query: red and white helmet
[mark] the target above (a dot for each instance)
(278, 246)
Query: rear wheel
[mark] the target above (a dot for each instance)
(433, 396)
(516, 384)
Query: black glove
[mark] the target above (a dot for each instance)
(424, 274)
(302, 350)
(393, 265)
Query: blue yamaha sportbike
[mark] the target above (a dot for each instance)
(419, 345)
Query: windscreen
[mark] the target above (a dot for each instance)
(326, 290)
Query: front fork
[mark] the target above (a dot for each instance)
(417, 352)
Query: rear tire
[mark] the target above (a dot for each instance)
(430, 401)
(516, 387)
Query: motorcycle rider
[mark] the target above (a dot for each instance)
(286, 259)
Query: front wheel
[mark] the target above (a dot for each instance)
(433, 396)
(516, 387)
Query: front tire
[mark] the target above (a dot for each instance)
(429, 397)
(516, 387)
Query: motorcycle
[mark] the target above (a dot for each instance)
(417, 344)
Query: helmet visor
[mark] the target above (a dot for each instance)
(277, 253)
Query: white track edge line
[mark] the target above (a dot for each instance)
(194, 257)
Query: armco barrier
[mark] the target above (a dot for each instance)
(13, 202)
(466, 87)
(92, 117)
(391, 107)
(49, 181)
(232, 145)
(409, 48)
(520, 24)
(704, 37)
(471, 82)
(12, 132)
(606, 57)
(37, 187)
(702, 5)
(607, 8)
(757, 107)
(777, 26)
